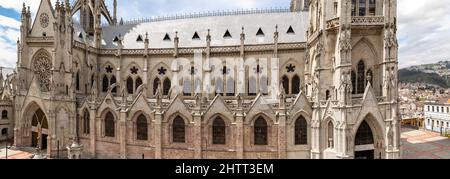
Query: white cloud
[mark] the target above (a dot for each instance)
(8, 52)
(18, 4)
(9, 22)
(424, 30)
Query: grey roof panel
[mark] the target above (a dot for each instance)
(218, 25)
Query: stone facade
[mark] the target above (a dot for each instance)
(6, 107)
(124, 93)
(437, 117)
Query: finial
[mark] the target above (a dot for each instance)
(67, 4)
(209, 31)
(146, 35)
(24, 9)
(276, 28)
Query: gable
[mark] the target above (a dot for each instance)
(218, 106)
(43, 22)
(140, 104)
(258, 107)
(108, 102)
(177, 107)
(369, 106)
(301, 104)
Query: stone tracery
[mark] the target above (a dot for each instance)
(42, 69)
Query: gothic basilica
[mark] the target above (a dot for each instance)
(317, 80)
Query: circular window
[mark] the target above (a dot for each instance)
(44, 20)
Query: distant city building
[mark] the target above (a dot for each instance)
(437, 116)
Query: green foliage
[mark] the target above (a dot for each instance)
(414, 76)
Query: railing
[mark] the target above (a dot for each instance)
(204, 14)
(368, 20)
(332, 23)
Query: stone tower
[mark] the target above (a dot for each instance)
(90, 14)
(49, 76)
(353, 82)
(299, 5)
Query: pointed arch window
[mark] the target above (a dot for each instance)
(178, 130)
(42, 66)
(130, 85)
(109, 125)
(4, 114)
(361, 77)
(372, 7)
(264, 85)
(330, 135)
(327, 95)
(369, 77)
(141, 128)
(92, 80)
(260, 131)
(296, 84)
(362, 7)
(105, 84)
(285, 81)
(252, 86)
(230, 87)
(364, 136)
(77, 81)
(156, 83)
(166, 86)
(187, 87)
(219, 86)
(353, 76)
(353, 7)
(218, 130)
(86, 125)
(138, 83)
(113, 81)
(301, 131)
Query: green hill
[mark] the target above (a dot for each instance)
(414, 76)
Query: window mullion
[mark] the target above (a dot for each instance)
(367, 8)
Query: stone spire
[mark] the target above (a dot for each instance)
(176, 42)
(115, 12)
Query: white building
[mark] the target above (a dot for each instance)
(437, 116)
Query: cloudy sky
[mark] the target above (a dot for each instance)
(424, 25)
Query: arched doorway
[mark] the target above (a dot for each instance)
(364, 142)
(39, 129)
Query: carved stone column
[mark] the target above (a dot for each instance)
(239, 134)
(158, 134)
(123, 134)
(92, 132)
